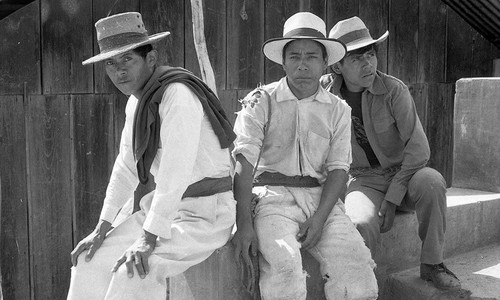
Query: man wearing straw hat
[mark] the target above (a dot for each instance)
(176, 129)
(295, 135)
(390, 153)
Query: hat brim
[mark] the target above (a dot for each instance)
(108, 54)
(273, 48)
(366, 42)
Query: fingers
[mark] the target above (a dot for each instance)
(76, 252)
(254, 248)
(311, 240)
(129, 263)
(387, 223)
(237, 253)
(302, 235)
(92, 249)
(118, 263)
(138, 265)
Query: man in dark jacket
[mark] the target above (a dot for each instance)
(390, 152)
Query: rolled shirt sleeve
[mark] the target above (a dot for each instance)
(249, 129)
(340, 155)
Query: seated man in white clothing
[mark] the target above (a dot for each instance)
(295, 137)
(176, 129)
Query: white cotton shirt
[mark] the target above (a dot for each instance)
(189, 151)
(307, 137)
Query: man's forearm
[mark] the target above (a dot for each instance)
(333, 189)
(242, 188)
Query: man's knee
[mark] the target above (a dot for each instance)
(427, 178)
(427, 186)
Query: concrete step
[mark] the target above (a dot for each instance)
(472, 222)
(478, 271)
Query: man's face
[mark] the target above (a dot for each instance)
(304, 64)
(129, 71)
(358, 70)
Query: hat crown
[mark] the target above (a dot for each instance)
(304, 24)
(347, 26)
(124, 23)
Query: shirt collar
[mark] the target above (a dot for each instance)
(284, 93)
(377, 88)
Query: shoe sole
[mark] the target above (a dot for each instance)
(427, 277)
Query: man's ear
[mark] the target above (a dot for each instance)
(152, 58)
(336, 68)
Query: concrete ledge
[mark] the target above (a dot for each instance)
(473, 222)
(478, 271)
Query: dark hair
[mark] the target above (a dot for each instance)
(143, 50)
(323, 50)
(361, 50)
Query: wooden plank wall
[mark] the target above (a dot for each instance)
(60, 122)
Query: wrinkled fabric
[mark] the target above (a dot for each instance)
(393, 129)
(200, 226)
(310, 137)
(345, 261)
(146, 133)
(426, 196)
(189, 151)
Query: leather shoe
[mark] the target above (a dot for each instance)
(440, 275)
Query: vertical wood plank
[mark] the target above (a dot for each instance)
(482, 62)
(119, 119)
(14, 242)
(440, 128)
(101, 9)
(276, 13)
(431, 41)
(319, 8)
(375, 14)
(458, 48)
(49, 194)
(403, 40)
(420, 95)
(245, 35)
(66, 41)
(339, 10)
(215, 32)
(160, 16)
(229, 101)
(20, 51)
(94, 154)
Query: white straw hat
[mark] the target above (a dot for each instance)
(120, 33)
(354, 34)
(303, 25)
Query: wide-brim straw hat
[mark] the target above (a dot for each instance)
(120, 33)
(303, 25)
(354, 34)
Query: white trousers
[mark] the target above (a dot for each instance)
(345, 261)
(202, 225)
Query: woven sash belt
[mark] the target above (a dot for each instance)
(275, 179)
(391, 171)
(209, 186)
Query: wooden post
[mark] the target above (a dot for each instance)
(1, 294)
(200, 45)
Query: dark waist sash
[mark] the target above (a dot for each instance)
(209, 186)
(275, 179)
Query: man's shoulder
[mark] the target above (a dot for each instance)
(390, 81)
(338, 102)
